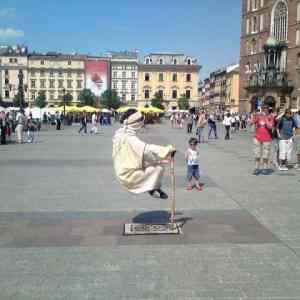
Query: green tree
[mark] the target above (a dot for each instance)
(40, 100)
(68, 98)
(110, 99)
(86, 97)
(183, 102)
(157, 101)
(18, 100)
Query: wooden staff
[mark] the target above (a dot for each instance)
(172, 173)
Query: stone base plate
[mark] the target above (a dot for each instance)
(152, 229)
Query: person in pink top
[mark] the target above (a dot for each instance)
(264, 123)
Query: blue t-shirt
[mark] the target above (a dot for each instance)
(286, 126)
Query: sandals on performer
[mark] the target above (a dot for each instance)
(162, 194)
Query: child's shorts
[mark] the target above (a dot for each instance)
(193, 172)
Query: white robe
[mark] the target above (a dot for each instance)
(138, 165)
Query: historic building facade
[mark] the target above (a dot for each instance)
(232, 99)
(169, 75)
(13, 62)
(55, 75)
(270, 54)
(124, 75)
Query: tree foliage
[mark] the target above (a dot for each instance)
(183, 102)
(86, 97)
(18, 100)
(110, 99)
(157, 101)
(40, 100)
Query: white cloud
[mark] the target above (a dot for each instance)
(7, 12)
(10, 33)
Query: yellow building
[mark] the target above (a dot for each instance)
(233, 88)
(13, 60)
(169, 75)
(54, 75)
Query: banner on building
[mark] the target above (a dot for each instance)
(96, 76)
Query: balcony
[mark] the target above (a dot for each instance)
(272, 80)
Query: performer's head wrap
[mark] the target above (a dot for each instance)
(135, 121)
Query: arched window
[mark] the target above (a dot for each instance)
(175, 61)
(297, 37)
(161, 61)
(280, 21)
(189, 61)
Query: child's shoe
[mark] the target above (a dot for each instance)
(189, 187)
(199, 187)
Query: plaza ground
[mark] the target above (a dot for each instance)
(62, 214)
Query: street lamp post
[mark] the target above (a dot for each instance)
(21, 89)
(64, 99)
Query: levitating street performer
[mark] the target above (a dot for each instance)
(138, 165)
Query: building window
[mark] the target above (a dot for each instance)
(254, 24)
(6, 72)
(123, 74)
(132, 97)
(298, 11)
(42, 83)
(115, 85)
(51, 84)
(188, 94)
(147, 61)
(174, 94)
(6, 81)
(188, 77)
(254, 46)
(32, 83)
(33, 96)
(174, 77)
(6, 94)
(147, 94)
(262, 3)
(254, 4)
(60, 83)
(161, 77)
(69, 74)
(161, 61)
(261, 23)
(69, 84)
(51, 74)
(280, 21)
(175, 61)
(132, 85)
(69, 62)
(115, 74)
(79, 84)
(298, 37)
(161, 94)
(189, 61)
(247, 26)
(247, 67)
(42, 62)
(11, 60)
(132, 74)
(147, 77)
(123, 85)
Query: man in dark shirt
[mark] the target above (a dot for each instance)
(286, 130)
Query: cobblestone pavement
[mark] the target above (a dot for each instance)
(62, 214)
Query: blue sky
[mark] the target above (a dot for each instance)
(207, 29)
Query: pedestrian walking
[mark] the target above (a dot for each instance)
(58, 121)
(286, 130)
(227, 123)
(263, 124)
(83, 122)
(193, 169)
(21, 120)
(190, 120)
(201, 123)
(212, 126)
